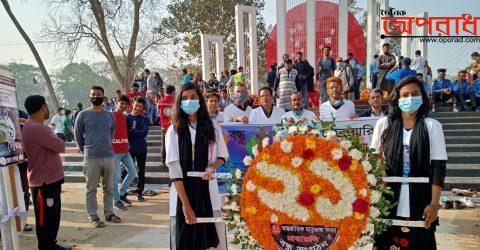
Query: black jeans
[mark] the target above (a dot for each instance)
(462, 96)
(22, 167)
(440, 97)
(47, 205)
(374, 78)
(164, 153)
(140, 158)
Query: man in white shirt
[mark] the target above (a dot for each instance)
(58, 124)
(213, 107)
(267, 113)
(239, 110)
(336, 107)
(298, 113)
(418, 63)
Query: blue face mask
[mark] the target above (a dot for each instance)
(241, 97)
(410, 104)
(190, 106)
(340, 64)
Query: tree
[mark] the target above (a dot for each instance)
(29, 82)
(189, 18)
(29, 42)
(124, 28)
(75, 80)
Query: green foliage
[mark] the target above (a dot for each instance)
(29, 81)
(189, 18)
(74, 82)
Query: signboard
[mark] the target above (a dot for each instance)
(362, 126)
(240, 139)
(10, 135)
(304, 237)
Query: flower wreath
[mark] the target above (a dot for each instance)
(311, 177)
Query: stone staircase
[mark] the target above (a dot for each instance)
(155, 173)
(462, 136)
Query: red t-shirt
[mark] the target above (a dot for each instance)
(120, 138)
(164, 107)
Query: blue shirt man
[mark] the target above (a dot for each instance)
(399, 74)
(460, 88)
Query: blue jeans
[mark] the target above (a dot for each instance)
(356, 89)
(127, 161)
(322, 86)
(305, 95)
(373, 79)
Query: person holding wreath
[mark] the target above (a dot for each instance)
(412, 145)
(194, 143)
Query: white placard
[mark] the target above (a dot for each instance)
(398, 179)
(210, 220)
(362, 126)
(405, 223)
(216, 175)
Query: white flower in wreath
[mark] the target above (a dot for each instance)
(292, 129)
(337, 153)
(255, 150)
(265, 142)
(236, 218)
(372, 180)
(303, 129)
(286, 146)
(375, 196)
(274, 218)
(363, 192)
(315, 132)
(250, 186)
(366, 166)
(374, 212)
(247, 161)
(297, 161)
(233, 188)
(330, 134)
(355, 154)
(234, 206)
(346, 144)
(238, 172)
(278, 136)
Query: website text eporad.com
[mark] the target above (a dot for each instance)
(473, 39)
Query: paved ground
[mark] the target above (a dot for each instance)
(146, 225)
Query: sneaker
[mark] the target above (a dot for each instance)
(118, 205)
(433, 110)
(113, 218)
(125, 201)
(455, 110)
(140, 198)
(61, 247)
(27, 228)
(97, 223)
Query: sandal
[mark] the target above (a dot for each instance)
(113, 218)
(459, 205)
(97, 223)
(150, 193)
(448, 204)
(465, 192)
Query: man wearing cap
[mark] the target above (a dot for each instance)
(399, 73)
(385, 63)
(441, 89)
(345, 73)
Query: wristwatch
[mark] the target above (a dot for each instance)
(435, 207)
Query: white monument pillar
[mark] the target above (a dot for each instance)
(342, 28)
(384, 5)
(371, 36)
(252, 33)
(281, 28)
(406, 47)
(311, 32)
(205, 41)
(422, 31)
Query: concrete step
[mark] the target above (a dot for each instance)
(458, 119)
(149, 167)
(462, 139)
(461, 132)
(463, 169)
(458, 125)
(150, 177)
(463, 147)
(462, 182)
(151, 157)
(464, 157)
(454, 114)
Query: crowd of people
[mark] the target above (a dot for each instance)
(111, 134)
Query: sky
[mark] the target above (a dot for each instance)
(32, 13)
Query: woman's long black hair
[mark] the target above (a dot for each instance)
(180, 118)
(394, 111)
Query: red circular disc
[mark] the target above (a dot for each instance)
(326, 33)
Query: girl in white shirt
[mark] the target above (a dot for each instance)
(413, 146)
(194, 143)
